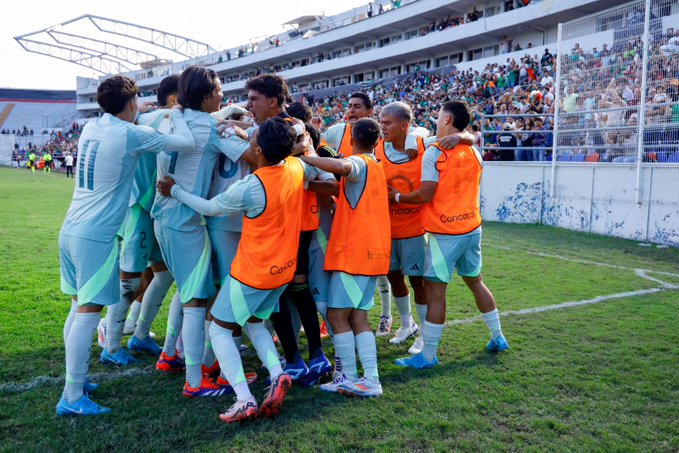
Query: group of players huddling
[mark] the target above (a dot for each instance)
(264, 223)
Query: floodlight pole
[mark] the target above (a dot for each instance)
(642, 105)
(557, 109)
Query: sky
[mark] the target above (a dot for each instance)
(225, 26)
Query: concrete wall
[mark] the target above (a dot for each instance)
(593, 198)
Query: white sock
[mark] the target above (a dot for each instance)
(266, 350)
(208, 353)
(492, 320)
(174, 326)
(421, 316)
(69, 319)
(367, 352)
(345, 349)
(432, 337)
(229, 360)
(115, 317)
(193, 335)
(385, 294)
(78, 347)
(403, 307)
(152, 301)
(132, 315)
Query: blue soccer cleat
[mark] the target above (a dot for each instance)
(89, 387)
(319, 367)
(120, 358)
(297, 371)
(498, 344)
(83, 407)
(147, 345)
(417, 361)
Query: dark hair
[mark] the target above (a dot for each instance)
(300, 111)
(314, 134)
(169, 85)
(365, 133)
(271, 86)
(195, 84)
(115, 92)
(276, 138)
(460, 113)
(364, 97)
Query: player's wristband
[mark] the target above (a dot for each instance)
(397, 197)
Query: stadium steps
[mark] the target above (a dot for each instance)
(6, 111)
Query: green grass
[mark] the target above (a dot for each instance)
(602, 377)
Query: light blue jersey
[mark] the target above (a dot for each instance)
(192, 170)
(333, 135)
(144, 186)
(226, 173)
(108, 151)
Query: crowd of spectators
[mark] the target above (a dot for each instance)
(21, 132)
(513, 103)
(58, 146)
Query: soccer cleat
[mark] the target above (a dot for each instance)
(209, 371)
(417, 346)
(324, 330)
(498, 344)
(101, 333)
(402, 334)
(250, 378)
(274, 396)
(417, 361)
(207, 388)
(333, 387)
(120, 358)
(240, 411)
(84, 406)
(319, 367)
(167, 364)
(385, 326)
(297, 371)
(147, 345)
(365, 387)
(89, 387)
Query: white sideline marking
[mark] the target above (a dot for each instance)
(49, 381)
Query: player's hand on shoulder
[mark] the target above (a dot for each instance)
(412, 153)
(146, 107)
(164, 186)
(450, 141)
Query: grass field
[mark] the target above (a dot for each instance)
(600, 376)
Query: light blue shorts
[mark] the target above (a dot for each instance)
(238, 302)
(407, 256)
(224, 247)
(352, 291)
(445, 254)
(319, 280)
(187, 255)
(138, 241)
(90, 269)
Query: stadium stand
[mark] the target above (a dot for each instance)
(35, 110)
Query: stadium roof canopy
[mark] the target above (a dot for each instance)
(303, 20)
(71, 41)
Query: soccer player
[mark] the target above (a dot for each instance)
(338, 137)
(452, 217)
(181, 232)
(267, 94)
(137, 246)
(31, 161)
(271, 199)
(358, 251)
(143, 239)
(108, 151)
(407, 235)
(47, 158)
